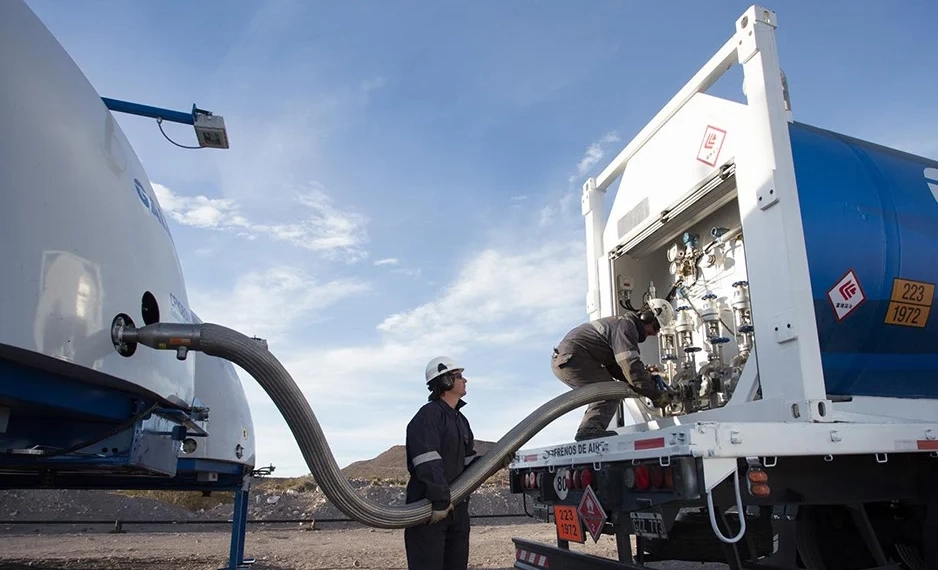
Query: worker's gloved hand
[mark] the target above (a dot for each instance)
(506, 461)
(664, 398)
(437, 516)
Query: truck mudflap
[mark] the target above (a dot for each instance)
(530, 555)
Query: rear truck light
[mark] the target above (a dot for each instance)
(758, 482)
(759, 490)
(577, 484)
(649, 477)
(756, 475)
(586, 477)
(642, 478)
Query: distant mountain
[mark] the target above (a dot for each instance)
(392, 464)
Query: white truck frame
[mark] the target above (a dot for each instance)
(793, 418)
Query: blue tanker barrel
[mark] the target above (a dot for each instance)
(870, 221)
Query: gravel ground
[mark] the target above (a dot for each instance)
(290, 548)
(192, 544)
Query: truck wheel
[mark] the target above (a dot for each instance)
(828, 539)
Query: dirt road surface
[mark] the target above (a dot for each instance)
(286, 548)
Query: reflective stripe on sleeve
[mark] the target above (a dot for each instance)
(627, 356)
(424, 457)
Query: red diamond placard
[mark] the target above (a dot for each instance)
(592, 513)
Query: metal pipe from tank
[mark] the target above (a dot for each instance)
(254, 357)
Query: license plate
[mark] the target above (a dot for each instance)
(648, 525)
(541, 512)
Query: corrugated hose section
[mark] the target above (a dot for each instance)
(261, 364)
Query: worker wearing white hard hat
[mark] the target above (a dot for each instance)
(440, 446)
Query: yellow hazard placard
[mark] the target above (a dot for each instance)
(910, 303)
(912, 292)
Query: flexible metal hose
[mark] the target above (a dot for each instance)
(263, 366)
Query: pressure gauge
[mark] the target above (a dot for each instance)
(672, 252)
(673, 268)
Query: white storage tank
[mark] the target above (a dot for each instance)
(82, 235)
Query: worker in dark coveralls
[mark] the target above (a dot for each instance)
(440, 446)
(606, 350)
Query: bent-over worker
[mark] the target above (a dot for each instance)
(606, 350)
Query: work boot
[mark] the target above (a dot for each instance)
(580, 436)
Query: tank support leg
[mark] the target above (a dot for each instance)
(239, 520)
(930, 525)
(730, 551)
(862, 520)
(623, 543)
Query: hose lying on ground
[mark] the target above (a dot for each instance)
(254, 357)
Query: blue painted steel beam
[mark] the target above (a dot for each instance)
(230, 478)
(148, 111)
(185, 465)
(29, 385)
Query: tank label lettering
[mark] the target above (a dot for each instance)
(846, 295)
(150, 204)
(931, 178)
(579, 448)
(180, 311)
(910, 303)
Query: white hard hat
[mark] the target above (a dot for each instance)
(662, 310)
(441, 365)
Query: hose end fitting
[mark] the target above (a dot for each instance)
(160, 336)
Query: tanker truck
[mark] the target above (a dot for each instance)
(793, 270)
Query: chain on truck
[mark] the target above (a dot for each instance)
(798, 270)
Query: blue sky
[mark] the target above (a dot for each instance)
(404, 176)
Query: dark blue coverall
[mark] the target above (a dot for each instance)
(440, 446)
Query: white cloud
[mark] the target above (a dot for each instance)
(550, 213)
(323, 228)
(594, 153)
(508, 304)
(500, 296)
(506, 307)
(408, 272)
(267, 304)
(503, 303)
